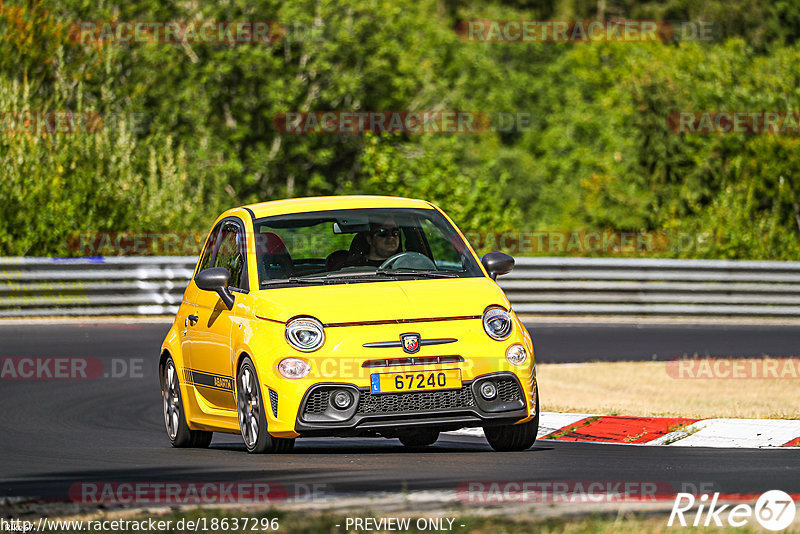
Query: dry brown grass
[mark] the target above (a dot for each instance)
(648, 389)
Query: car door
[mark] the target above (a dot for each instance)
(211, 352)
(187, 313)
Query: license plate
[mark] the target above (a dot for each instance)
(415, 381)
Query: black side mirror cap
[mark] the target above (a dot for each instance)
(216, 279)
(497, 263)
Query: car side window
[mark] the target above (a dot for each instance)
(205, 257)
(229, 253)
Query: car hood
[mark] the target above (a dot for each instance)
(381, 301)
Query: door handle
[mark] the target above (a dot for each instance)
(193, 319)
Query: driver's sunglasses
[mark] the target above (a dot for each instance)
(386, 232)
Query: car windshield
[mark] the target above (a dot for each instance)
(359, 245)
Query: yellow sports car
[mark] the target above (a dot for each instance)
(346, 316)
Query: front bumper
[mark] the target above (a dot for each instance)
(390, 414)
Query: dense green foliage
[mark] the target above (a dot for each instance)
(188, 129)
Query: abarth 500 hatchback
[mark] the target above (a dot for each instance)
(346, 316)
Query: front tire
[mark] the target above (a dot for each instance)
(178, 432)
(514, 437)
(252, 414)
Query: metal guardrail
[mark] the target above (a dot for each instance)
(609, 286)
(151, 285)
(144, 285)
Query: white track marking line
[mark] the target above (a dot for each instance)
(740, 433)
(729, 433)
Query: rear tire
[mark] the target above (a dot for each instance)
(178, 432)
(419, 439)
(252, 414)
(514, 437)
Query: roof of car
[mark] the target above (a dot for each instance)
(299, 205)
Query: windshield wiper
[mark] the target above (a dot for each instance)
(325, 278)
(387, 274)
(415, 272)
(292, 280)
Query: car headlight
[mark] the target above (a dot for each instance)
(516, 354)
(293, 368)
(305, 334)
(497, 323)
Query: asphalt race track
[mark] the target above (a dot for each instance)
(555, 342)
(563, 343)
(55, 433)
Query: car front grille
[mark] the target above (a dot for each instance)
(370, 404)
(508, 390)
(317, 402)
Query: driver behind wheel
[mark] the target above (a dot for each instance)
(370, 248)
(384, 241)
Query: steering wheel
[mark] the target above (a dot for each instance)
(409, 260)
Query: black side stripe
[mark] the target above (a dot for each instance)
(208, 380)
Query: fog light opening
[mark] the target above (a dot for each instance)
(488, 390)
(342, 399)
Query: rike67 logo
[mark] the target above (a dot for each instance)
(774, 510)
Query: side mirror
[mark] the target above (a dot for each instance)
(497, 263)
(216, 279)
